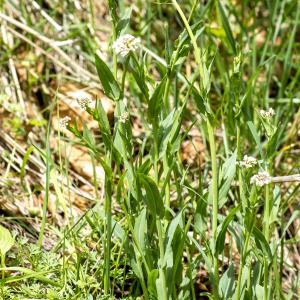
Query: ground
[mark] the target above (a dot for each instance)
(168, 171)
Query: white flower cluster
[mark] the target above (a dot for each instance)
(63, 122)
(261, 179)
(126, 43)
(267, 114)
(248, 162)
(84, 102)
(124, 117)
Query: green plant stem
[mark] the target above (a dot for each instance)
(108, 232)
(204, 79)
(246, 245)
(3, 265)
(161, 258)
(92, 18)
(249, 282)
(108, 196)
(267, 213)
(214, 178)
(242, 263)
(267, 236)
(158, 221)
(115, 62)
(166, 96)
(239, 157)
(167, 189)
(215, 201)
(193, 10)
(155, 154)
(266, 276)
(143, 283)
(48, 168)
(193, 40)
(136, 243)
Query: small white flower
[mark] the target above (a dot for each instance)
(248, 162)
(63, 122)
(124, 117)
(261, 179)
(84, 102)
(126, 43)
(267, 114)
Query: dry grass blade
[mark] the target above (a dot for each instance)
(80, 72)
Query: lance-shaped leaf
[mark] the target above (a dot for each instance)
(153, 198)
(223, 228)
(6, 240)
(226, 27)
(156, 100)
(110, 86)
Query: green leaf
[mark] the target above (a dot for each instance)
(275, 205)
(153, 198)
(227, 283)
(268, 126)
(223, 228)
(112, 4)
(153, 275)
(6, 240)
(255, 136)
(27, 274)
(184, 45)
(123, 23)
(24, 163)
(118, 231)
(145, 167)
(200, 222)
(200, 102)
(174, 273)
(169, 130)
(88, 137)
(156, 100)
(102, 118)
(226, 27)
(75, 129)
(273, 143)
(249, 219)
(140, 228)
(139, 75)
(135, 268)
(159, 287)
(177, 221)
(207, 258)
(110, 86)
(261, 242)
(228, 174)
(259, 291)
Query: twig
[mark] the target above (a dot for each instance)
(288, 178)
(7, 88)
(81, 71)
(41, 167)
(8, 41)
(51, 57)
(46, 16)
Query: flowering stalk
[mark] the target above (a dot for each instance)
(123, 117)
(158, 221)
(213, 156)
(211, 139)
(245, 250)
(108, 195)
(267, 236)
(167, 109)
(48, 169)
